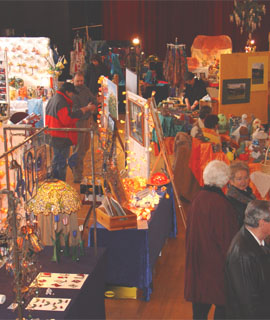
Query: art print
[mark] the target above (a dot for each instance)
(236, 91)
(136, 121)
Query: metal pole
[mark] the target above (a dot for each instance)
(94, 189)
(17, 268)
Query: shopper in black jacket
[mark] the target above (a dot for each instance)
(247, 270)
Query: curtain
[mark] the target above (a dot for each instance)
(160, 22)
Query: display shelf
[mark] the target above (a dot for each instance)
(4, 88)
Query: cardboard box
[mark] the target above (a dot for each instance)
(118, 222)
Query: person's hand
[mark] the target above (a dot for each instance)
(194, 105)
(92, 107)
(87, 108)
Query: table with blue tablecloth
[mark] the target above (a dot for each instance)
(86, 303)
(132, 253)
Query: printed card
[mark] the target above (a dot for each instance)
(59, 280)
(48, 304)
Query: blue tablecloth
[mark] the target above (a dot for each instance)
(132, 253)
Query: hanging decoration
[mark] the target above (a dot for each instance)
(247, 15)
(77, 55)
(175, 66)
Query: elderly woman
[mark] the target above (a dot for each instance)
(211, 225)
(239, 193)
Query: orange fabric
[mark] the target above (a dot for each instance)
(169, 143)
(201, 155)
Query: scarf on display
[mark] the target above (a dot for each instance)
(240, 195)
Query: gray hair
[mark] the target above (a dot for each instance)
(216, 173)
(257, 210)
(238, 166)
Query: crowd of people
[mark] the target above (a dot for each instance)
(227, 257)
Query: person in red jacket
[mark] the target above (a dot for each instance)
(59, 114)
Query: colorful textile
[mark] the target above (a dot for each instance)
(201, 155)
(212, 135)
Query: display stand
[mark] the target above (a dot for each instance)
(86, 29)
(4, 88)
(163, 153)
(175, 66)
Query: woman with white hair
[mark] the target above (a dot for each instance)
(211, 225)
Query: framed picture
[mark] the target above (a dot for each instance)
(136, 121)
(258, 72)
(116, 185)
(236, 91)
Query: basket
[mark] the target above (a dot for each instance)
(265, 165)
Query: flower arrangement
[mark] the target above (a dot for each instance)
(55, 69)
(247, 15)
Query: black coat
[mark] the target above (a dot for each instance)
(239, 200)
(247, 278)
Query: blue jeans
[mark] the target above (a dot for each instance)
(59, 163)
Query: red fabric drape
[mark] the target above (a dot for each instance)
(160, 22)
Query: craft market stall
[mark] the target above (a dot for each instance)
(132, 253)
(33, 71)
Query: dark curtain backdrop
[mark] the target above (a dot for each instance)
(160, 22)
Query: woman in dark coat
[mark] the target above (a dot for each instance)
(239, 193)
(211, 225)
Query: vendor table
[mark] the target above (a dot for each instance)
(132, 253)
(86, 303)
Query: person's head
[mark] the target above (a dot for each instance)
(204, 112)
(189, 77)
(96, 59)
(211, 121)
(257, 215)
(239, 175)
(216, 174)
(78, 79)
(68, 89)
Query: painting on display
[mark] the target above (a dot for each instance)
(236, 91)
(258, 72)
(110, 97)
(137, 136)
(136, 121)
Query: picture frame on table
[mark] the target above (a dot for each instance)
(116, 186)
(236, 91)
(258, 72)
(136, 121)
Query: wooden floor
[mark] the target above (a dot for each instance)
(167, 300)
